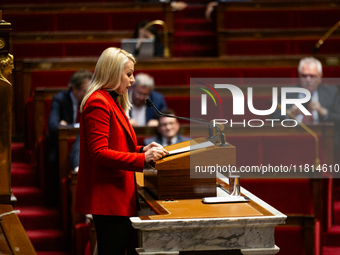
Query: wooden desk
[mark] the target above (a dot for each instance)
(13, 238)
(326, 130)
(190, 225)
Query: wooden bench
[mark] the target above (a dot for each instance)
(277, 14)
(275, 28)
(13, 238)
(66, 17)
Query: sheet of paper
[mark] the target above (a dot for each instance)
(191, 148)
(228, 199)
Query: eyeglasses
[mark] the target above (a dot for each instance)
(311, 76)
(140, 95)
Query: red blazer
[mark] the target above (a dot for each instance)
(108, 157)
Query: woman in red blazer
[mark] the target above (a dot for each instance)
(109, 155)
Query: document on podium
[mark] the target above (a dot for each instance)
(190, 148)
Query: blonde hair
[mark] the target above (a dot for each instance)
(107, 75)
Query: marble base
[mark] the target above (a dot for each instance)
(213, 234)
(256, 251)
(252, 235)
(142, 252)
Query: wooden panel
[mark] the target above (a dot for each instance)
(17, 239)
(80, 8)
(5, 140)
(177, 184)
(4, 247)
(173, 177)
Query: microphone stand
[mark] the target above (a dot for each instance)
(325, 36)
(165, 34)
(157, 112)
(312, 133)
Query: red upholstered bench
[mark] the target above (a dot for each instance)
(293, 197)
(61, 49)
(279, 46)
(284, 18)
(273, 150)
(79, 21)
(248, 149)
(287, 150)
(50, 79)
(165, 77)
(60, 78)
(181, 106)
(289, 196)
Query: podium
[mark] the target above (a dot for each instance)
(175, 220)
(176, 176)
(174, 226)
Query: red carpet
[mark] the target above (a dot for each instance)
(42, 223)
(331, 239)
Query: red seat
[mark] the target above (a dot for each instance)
(83, 236)
(278, 46)
(61, 49)
(247, 19)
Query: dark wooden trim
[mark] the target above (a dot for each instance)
(80, 8)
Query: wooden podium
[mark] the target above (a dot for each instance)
(176, 176)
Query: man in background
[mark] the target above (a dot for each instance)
(143, 88)
(167, 131)
(65, 111)
(324, 104)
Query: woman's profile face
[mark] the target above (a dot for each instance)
(127, 79)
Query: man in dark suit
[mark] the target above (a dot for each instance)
(167, 131)
(65, 111)
(324, 104)
(141, 115)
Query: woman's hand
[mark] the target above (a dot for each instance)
(153, 152)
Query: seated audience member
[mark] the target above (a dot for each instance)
(324, 104)
(65, 110)
(167, 131)
(150, 33)
(210, 11)
(140, 114)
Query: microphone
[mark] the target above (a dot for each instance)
(309, 131)
(138, 46)
(324, 37)
(159, 113)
